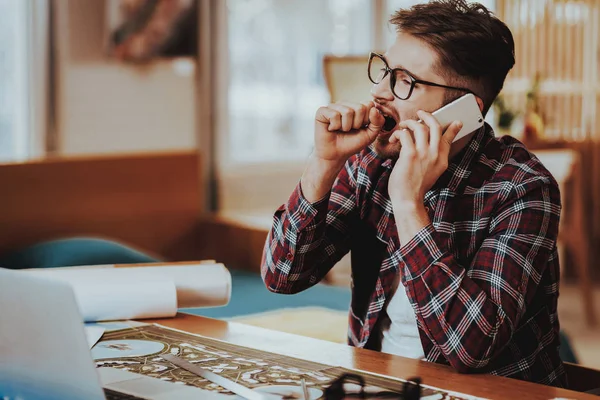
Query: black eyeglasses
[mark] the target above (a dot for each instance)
(411, 389)
(402, 82)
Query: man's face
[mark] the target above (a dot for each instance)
(413, 55)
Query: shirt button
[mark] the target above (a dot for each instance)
(289, 256)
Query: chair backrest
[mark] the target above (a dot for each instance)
(582, 379)
(347, 78)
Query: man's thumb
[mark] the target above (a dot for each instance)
(376, 122)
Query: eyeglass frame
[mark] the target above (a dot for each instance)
(411, 389)
(413, 80)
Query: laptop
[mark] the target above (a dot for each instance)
(44, 353)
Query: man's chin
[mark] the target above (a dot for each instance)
(385, 149)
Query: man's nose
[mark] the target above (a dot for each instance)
(382, 91)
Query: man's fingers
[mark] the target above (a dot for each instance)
(369, 105)
(347, 114)
(435, 129)
(330, 117)
(361, 112)
(395, 137)
(376, 121)
(413, 125)
(420, 132)
(450, 134)
(406, 140)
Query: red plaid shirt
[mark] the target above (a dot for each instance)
(482, 277)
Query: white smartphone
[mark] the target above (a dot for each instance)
(464, 109)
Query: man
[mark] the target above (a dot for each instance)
(453, 244)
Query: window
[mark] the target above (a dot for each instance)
(13, 80)
(273, 83)
(275, 71)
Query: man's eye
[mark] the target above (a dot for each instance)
(406, 82)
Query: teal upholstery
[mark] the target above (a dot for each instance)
(71, 252)
(566, 351)
(249, 295)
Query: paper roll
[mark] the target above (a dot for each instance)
(151, 291)
(114, 294)
(199, 285)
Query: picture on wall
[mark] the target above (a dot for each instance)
(140, 31)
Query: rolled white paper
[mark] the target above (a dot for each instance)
(134, 292)
(116, 294)
(199, 285)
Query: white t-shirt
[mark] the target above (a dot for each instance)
(399, 333)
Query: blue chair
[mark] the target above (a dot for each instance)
(72, 252)
(566, 350)
(250, 296)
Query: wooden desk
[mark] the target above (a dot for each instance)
(492, 387)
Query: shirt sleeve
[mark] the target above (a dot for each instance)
(471, 312)
(308, 239)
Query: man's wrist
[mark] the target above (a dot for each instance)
(326, 167)
(407, 207)
(410, 217)
(318, 177)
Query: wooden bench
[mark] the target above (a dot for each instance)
(149, 201)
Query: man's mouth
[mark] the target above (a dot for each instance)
(389, 125)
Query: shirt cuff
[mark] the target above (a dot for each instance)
(420, 253)
(302, 213)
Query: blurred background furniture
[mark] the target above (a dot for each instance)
(74, 251)
(346, 78)
(150, 202)
(583, 379)
(573, 240)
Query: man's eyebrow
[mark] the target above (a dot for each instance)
(402, 68)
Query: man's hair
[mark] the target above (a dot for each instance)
(475, 49)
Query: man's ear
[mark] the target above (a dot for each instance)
(479, 103)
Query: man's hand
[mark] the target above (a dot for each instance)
(341, 130)
(423, 157)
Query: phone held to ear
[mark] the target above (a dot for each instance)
(464, 109)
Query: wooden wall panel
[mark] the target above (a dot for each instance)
(151, 201)
(232, 241)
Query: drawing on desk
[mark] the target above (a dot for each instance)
(126, 348)
(138, 350)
